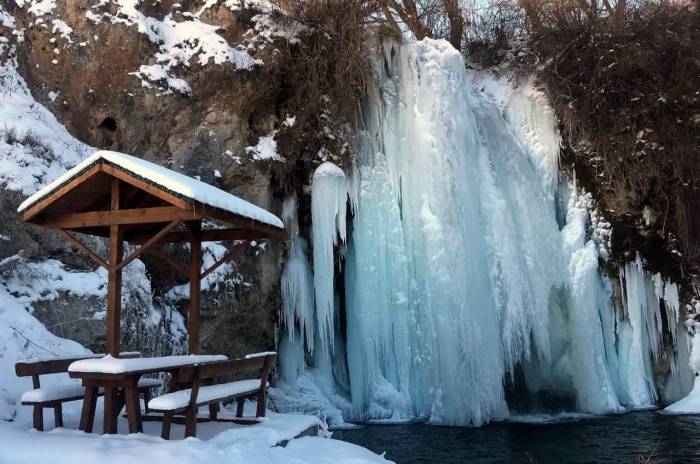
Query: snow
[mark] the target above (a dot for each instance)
(71, 390)
(112, 365)
(25, 167)
(23, 337)
(688, 405)
(216, 442)
(52, 393)
(262, 354)
(179, 43)
(169, 180)
(180, 399)
(265, 149)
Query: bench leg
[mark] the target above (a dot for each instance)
(133, 410)
(191, 422)
(167, 420)
(240, 402)
(58, 415)
(38, 418)
(213, 411)
(111, 410)
(87, 418)
(146, 399)
(261, 404)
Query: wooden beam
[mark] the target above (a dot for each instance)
(240, 221)
(195, 285)
(114, 288)
(227, 257)
(211, 235)
(82, 247)
(151, 242)
(175, 265)
(30, 213)
(143, 185)
(125, 216)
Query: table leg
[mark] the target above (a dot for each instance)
(133, 410)
(110, 420)
(87, 418)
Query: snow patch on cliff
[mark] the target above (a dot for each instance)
(179, 43)
(34, 147)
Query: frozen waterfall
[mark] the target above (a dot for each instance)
(472, 279)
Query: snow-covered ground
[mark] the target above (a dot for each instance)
(215, 442)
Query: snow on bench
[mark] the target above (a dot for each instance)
(112, 365)
(260, 355)
(73, 391)
(181, 399)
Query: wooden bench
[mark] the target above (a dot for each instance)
(206, 391)
(54, 396)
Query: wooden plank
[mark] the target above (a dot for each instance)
(195, 286)
(32, 212)
(145, 186)
(153, 215)
(53, 366)
(87, 417)
(227, 257)
(222, 368)
(82, 247)
(109, 421)
(38, 418)
(150, 243)
(114, 284)
(167, 420)
(58, 415)
(267, 365)
(211, 235)
(133, 409)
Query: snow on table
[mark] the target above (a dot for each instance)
(181, 398)
(175, 182)
(111, 365)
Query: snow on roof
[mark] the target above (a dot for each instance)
(166, 179)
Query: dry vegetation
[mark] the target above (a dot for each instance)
(625, 84)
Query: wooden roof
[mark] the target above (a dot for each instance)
(151, 196)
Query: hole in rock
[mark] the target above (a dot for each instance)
(108, 123)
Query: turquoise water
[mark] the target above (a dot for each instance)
(615, 439)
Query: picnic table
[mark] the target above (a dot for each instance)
(118, 377)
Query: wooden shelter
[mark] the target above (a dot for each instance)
(127, 199)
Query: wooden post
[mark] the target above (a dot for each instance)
(114, 288)
(195, 228)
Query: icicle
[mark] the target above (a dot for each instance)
(329, 196)
(297, 282)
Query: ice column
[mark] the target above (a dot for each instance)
(329, 196)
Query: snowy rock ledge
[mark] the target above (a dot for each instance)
(688, 405)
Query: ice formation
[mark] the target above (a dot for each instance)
(471, 269)
(329, 195)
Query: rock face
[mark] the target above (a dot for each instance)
(184, 85)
